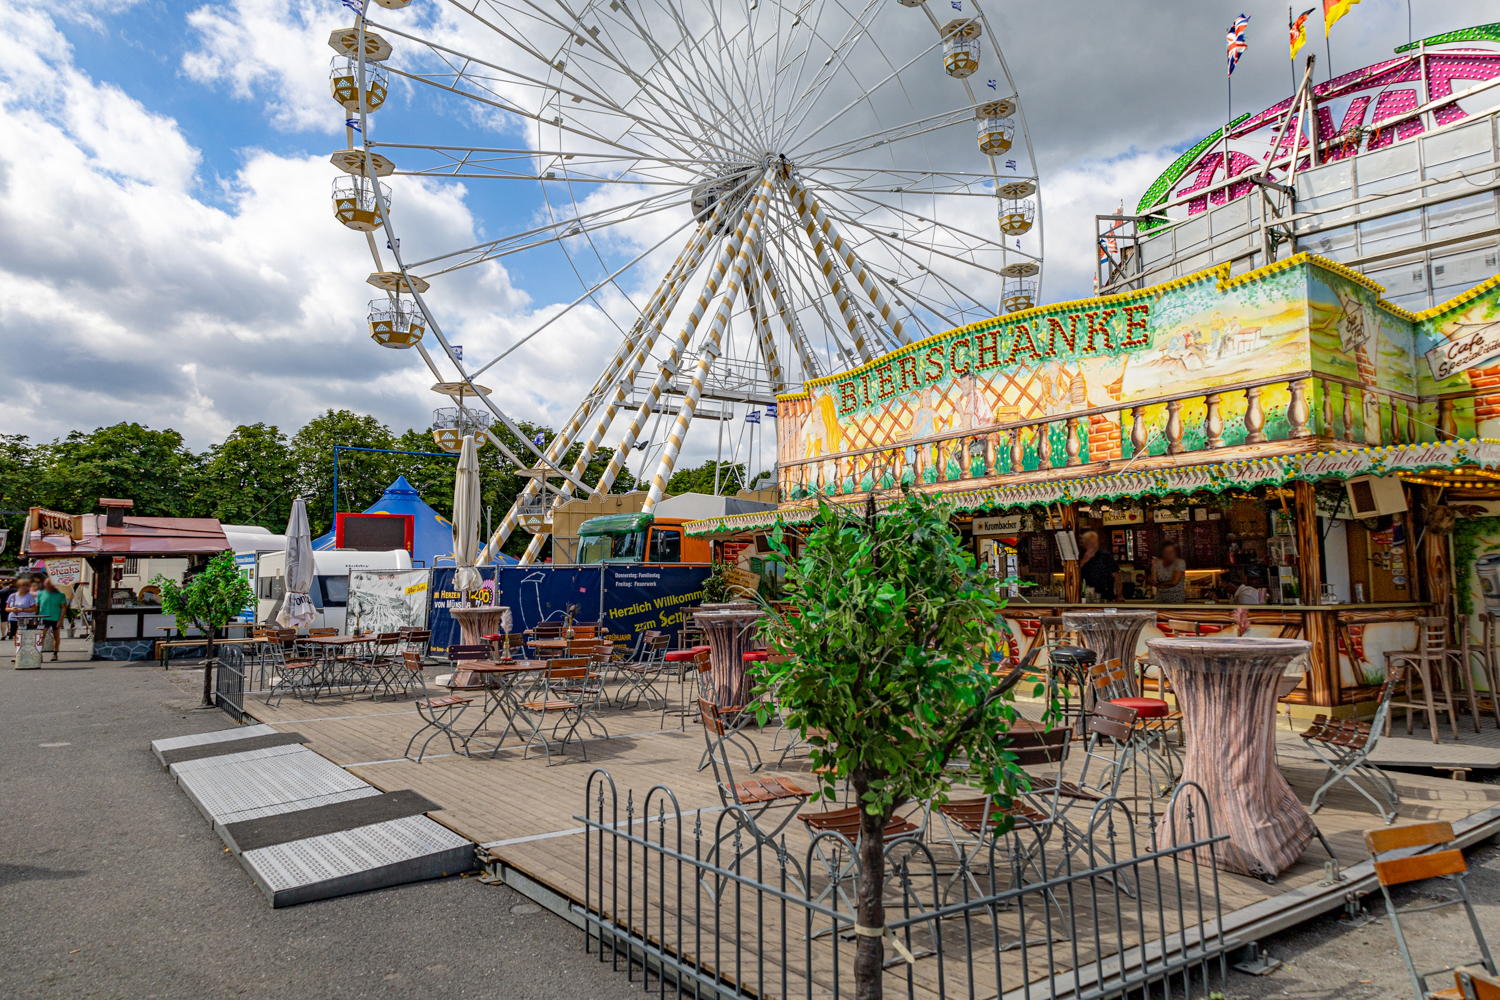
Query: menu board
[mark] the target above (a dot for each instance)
(1040, 560)
(1205, 545)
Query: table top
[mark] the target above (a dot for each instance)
(554, 643)
(507, 667)
(336, 640)
(1121, 618)
(1208, 653)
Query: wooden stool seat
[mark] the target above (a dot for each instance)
(846, 823)
(970, 814)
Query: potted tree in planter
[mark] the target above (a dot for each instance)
(207, 602)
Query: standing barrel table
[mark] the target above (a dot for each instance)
(729, 630)
(1112, 634)
(477, 622)
(1226, 688)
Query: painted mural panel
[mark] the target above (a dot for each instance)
(1363, 352)
(1458, 349)
(1192, 335)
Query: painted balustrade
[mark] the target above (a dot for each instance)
(1241, 418)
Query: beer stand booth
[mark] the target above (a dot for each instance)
(1287, 428)
(121, 632)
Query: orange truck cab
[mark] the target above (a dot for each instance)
(639, 538)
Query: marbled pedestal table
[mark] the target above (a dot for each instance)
(477, 622)
(1226, 688)
(1112, 635)
(729, 632)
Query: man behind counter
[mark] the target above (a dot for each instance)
(1097, 566)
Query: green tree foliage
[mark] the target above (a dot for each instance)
(125, 460)
(889, 674)
(207, 601)
(362, 475)
(701, 479)
(249, 478)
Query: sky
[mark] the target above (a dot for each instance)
(169, 254)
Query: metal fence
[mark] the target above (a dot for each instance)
(230, 681)
(698, 904)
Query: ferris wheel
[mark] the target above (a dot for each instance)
(834, 179)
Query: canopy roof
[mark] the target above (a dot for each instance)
(605, 523)
(138, 536)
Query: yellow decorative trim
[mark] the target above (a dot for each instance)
(1457, 301)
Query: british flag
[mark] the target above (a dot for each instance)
(1235, 38)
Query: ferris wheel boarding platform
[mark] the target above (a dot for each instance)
(300, 825)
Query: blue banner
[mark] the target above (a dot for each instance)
(626, 600)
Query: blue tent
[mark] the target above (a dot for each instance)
(432, 534)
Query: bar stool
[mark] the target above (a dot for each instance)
(1430, 662)
(1489, 660)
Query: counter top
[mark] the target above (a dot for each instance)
(1039, 608)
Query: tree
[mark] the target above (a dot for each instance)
(701, 479)
(128, 460)
(888, 659)
(207, 601)
(363, 476)
(17, 479)
(249, 478)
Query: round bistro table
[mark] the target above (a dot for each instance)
(1112, 635)
(476, 623)
(1226, 689)
(729, 631)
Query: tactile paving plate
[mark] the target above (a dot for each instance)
(200, 739)
(265, 779)
(366, 857)
(182, 767)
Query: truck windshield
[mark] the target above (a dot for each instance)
(614, 546)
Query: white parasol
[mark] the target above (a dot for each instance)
(466, 518)
(297, 608)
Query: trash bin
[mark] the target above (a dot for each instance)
(29, 646)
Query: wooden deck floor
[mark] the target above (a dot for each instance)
(525, 812)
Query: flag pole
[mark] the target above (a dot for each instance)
(1292, 59)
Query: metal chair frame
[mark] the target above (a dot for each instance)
(440, 714)
(1345, 746)
(1447, 864)
(570, 711)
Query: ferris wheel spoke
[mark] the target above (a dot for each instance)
(978, 243)
(896, 133)
(820, 81)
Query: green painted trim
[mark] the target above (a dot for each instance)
(1478, 33)
(1157, 192)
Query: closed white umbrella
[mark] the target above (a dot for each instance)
(296, 607)
(466, 518)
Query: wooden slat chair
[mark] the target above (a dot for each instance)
(1448, 864)
(1154, 718)
(1486, 656)
(752, 800)
(440, 714)
(383, 667)
(1345, 746)
(835, 836)
(1474, 983)
(588, 691)
(568, 711)
(729, 720)
(692, 670)
(414, 640)
(503, 646)
(1430, 665)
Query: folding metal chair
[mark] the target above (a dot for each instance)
(1472, 983)
(692, 683)
(440, 714)
(1135, 727)
(414, 640)
(840, 828)
(383, 668)
(1447, 864)
(569, 711)
(1345, 744)
(296, 675)
(641, 673)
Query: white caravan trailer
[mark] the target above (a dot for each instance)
(330, 589)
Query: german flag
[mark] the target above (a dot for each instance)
(1333, 10)
(1297, 30)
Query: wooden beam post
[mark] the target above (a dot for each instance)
(1323, 657)
(1072, 569)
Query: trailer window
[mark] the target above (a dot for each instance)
(666, 546)
(335, 591)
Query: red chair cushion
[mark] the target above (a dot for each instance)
(699, 649)
(493, 638)
(680, 655)
(1145, 708)
(754, 656)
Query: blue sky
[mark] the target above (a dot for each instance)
(170, 256)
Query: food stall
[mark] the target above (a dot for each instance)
(1287, 428)
(126, 626)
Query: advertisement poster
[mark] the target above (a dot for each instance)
(445, 630)
(639, 598)
(244, 562)
(65, 572)
(384, 601)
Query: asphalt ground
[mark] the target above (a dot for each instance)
(113, 886)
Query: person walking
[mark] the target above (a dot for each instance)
(20, 605)
(80, 606)
(6, 593)
(50, 604)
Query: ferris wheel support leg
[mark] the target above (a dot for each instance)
(763, 333)
(807, 206)
(772, 285)
(835, 285)
(721, 265)
(632, 354)
(710, 350)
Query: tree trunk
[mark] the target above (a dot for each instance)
(208, 667)
(869, 952)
